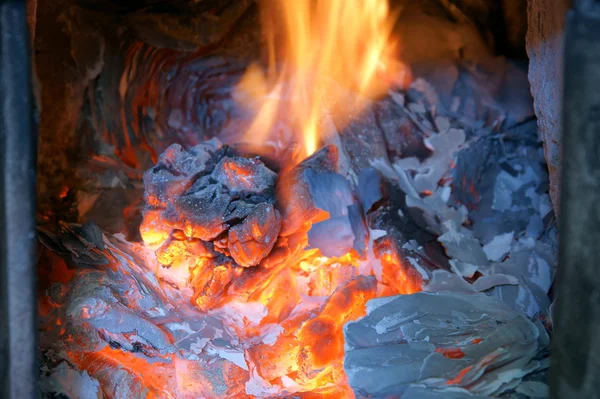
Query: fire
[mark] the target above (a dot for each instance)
(231, 237)
(323, 46)
(286, 300)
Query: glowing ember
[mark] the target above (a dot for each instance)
(322, 45)
(276, 258)
(243, 246)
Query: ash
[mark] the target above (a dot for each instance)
(418, 265)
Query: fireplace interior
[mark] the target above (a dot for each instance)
(296, 199)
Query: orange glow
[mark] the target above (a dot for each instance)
(153, 229)
(397, 277)
(324, 58)
(310, 349)
(96, 363)
(460, 376)
(322, 337)
(315, 49)
(279, 296)
(64, 191)
(451, 353)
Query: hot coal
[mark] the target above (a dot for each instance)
(369, 188)
(402, 137)
(176, 170)
(237, 307)
(330, 192)
(338, 235)
(177, 249)
(251, 241)
(402, 270)
(314, 196)
(293, 190)
(207, 195)
(309, 344)
(122, 331)
(333, 236)
(243, 176)
(211, 214)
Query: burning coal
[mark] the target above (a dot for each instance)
(291, 274)
(234, 265)
(226, 227)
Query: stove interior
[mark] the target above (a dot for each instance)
(292, 199)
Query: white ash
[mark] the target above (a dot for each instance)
(487, 204)
(534, 389)
(505, 235)
(123, 307)
(428, 173)
(496, 249)
(440, 341)
(71, 383)
(510, 184)
(462, 246)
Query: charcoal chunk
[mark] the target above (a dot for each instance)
(402, 138)
(200, 214)
(238, 211)
(242, 175)
(362, 140)
(369, 188)
(330, 192)
(338, 235)
(334, 236)
(293, 194)
(211, 218)
(175, 250)
(212, 283)
(359, 229)
(175, 172)
(251, 241)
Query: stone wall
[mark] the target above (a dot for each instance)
(545, 49)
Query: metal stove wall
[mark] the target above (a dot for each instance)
(18, 367)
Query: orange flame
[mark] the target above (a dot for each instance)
(323, 45)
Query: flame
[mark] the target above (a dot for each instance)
(322, 45)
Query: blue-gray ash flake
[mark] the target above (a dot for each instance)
(483, 194)
(445, 344)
